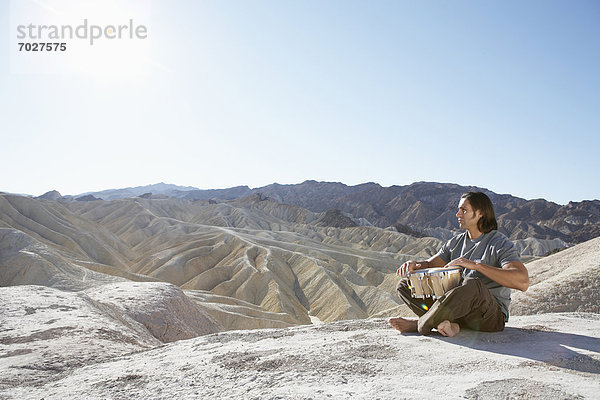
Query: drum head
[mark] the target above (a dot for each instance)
(442, 270)
(453, 269)
(417, 272)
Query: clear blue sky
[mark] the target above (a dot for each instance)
(502, 95)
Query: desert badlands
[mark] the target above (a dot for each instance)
(254, 299)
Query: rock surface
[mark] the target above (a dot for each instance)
(535, 357)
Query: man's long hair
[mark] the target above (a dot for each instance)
(480, 201)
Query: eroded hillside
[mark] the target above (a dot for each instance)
(270, 263)
(248, 263)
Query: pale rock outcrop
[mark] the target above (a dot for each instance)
(564, 282)
(166, 312)
(46, 333)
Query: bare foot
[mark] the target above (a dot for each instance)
(404, 324)
(448, 328)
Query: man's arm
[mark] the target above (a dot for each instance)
(434, 261)
(513, 274)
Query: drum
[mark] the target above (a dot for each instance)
(433, 282)
(419, 283)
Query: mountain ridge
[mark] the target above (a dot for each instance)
(418, 206)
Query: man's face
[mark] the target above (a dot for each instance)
(467, 218)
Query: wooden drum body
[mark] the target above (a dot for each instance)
(433, 282)
(419, 284)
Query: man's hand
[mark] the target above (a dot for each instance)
(408, 266)
(462, 262)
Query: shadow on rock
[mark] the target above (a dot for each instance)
(536, 343)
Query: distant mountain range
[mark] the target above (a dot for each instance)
(157, 189)
(422, 208)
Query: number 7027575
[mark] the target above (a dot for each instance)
(26, 46)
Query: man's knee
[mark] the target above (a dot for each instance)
(403, 289)
(403, 286)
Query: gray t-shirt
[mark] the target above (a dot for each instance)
(493, 249)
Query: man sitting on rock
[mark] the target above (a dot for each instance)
(491, 267)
